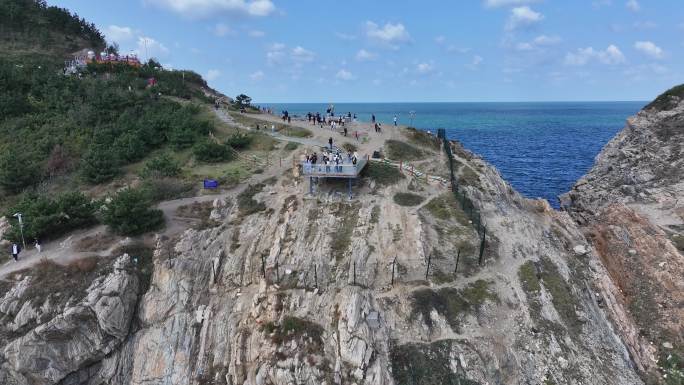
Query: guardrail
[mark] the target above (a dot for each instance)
(345, 170)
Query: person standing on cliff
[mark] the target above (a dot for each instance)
(15, 252)
(395, 120)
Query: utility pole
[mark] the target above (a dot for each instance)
(21, 228)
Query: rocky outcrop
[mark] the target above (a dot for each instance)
(631, 206)
(292, 288)
(46, 344)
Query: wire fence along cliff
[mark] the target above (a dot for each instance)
(466, 203)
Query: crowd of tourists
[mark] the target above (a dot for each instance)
(329, 161)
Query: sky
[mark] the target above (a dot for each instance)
(407, 51)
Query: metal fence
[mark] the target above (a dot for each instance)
(462, 198)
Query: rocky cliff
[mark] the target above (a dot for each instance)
(631, 207)
(292, 288)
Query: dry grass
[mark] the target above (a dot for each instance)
(95, 243)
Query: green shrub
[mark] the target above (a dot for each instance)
(382, 174)
(398, 150)
(408, 199)
(167, 188)
(161, 165)
(239, 141)
(291, 146)
(18, 170)
(129, 212)
(668, 100)
(46, 218)
(210, 152)
(99, 165)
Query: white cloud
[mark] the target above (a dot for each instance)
(390, 34)
(505, 3)
(524, 46)
(256, 76)
(275, 53)
(440, 39)
(203, 8)
(221, 30)
(344, 36)
(256, 33)
(475, 63)
(649, 49)
(611, 56)
(343, 74)
(547, 40)
(642, 25)
(147, 48)
(523, 17)
(212, 75)
(364, 55)
(301, 54)
(633, 5)
(424, 68)
(115, 33)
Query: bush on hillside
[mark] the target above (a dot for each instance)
(398, 150)
(96, 120)
(18, 170)
(210, 152)
(408, 199)
(130, 213)
(99, 164)
(668, 100)
(239, 141)
(162, 165)
(45, 217)
(382, 174)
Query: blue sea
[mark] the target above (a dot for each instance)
(540, 148)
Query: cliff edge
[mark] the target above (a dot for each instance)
(631, 206)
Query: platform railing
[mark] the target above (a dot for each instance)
(343, 170)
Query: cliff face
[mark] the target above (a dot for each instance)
(631, 206)
(292, 288)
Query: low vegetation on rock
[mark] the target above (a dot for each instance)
(408, 199)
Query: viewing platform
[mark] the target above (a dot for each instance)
(344, 170)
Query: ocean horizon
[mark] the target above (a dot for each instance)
(540, 148)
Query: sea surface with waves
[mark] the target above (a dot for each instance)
(540, 148)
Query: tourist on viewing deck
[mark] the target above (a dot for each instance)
(330, 141)
(395, 120)
(373, 118)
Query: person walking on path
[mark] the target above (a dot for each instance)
(330, 141)
(273, 128)
(15, 252)
(38, 246)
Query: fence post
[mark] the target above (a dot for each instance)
(316, 276)
(263, 266)
(281, 161)
(482, 245)
(277, 274)
(427, 270)
(394, 262)
(354, 273)
(458, 257)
